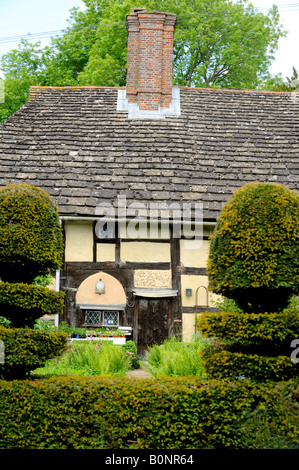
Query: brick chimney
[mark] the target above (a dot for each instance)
(149, 91)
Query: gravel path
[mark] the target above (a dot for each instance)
(139, 373)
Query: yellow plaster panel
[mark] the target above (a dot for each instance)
(194, 253)
(188, 325)
(147, 252)
(78, 241)
(105, 252)
(138, 229)
(154, 278)
(193, 282)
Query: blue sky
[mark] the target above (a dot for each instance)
(20, 17)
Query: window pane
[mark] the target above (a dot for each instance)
(93, 317)
(110, 318)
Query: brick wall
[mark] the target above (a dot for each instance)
(149, 64)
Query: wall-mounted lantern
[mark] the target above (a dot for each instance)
(100, 287)
(188, 292)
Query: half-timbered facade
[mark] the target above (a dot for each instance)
(109, 157)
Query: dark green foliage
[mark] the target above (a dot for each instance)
(254, 253)
(231, 365)
(270, 331)
(30, 233)
(26, 349)
(30, 246)
(255, 346)
(180, 413)
(22, 303)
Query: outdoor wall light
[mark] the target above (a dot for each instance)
(100, 287)
(188, 292)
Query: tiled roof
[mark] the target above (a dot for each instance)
(73, 143)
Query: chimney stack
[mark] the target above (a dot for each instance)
(149, 65)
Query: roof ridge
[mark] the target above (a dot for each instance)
(94, 87)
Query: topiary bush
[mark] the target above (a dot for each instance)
(254, 251)
(27, 349)
(22, 303)
(30, 247)
(255, 346)
(30, 233)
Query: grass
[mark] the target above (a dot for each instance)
(174, 358)
(89, 358)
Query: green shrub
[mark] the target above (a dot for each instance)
(89, 358)
(27, 349)
(257, 346)
(254, 251)
(24, 303)
(173, 413)
(30, 233)
(174, 358)
(272, 330)
(232, 365)
(131, 350)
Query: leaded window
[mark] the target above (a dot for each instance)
(101, 318)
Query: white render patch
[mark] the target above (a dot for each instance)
(134, 112)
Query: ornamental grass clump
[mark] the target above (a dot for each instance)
(174, 358)
(89, 358)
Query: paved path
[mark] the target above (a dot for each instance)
(139, 373)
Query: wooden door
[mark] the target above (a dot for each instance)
(154, 321)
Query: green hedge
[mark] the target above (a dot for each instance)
(257, 346)
(181, 413)
(277, 328)
(26, 349)
(24, 303)
(230, 365)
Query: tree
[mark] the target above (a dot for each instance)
(277, 83)
(254, 252)
(217, 43)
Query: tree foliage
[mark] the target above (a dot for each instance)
(217, 43)
(254, 252)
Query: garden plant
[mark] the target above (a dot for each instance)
(254, 261)
(30, 248)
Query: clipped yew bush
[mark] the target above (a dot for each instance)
(254, 251)
(254, 261)
(27, 349)
(30, 248)
(30, 233)
(22, 303)
(252, 346)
